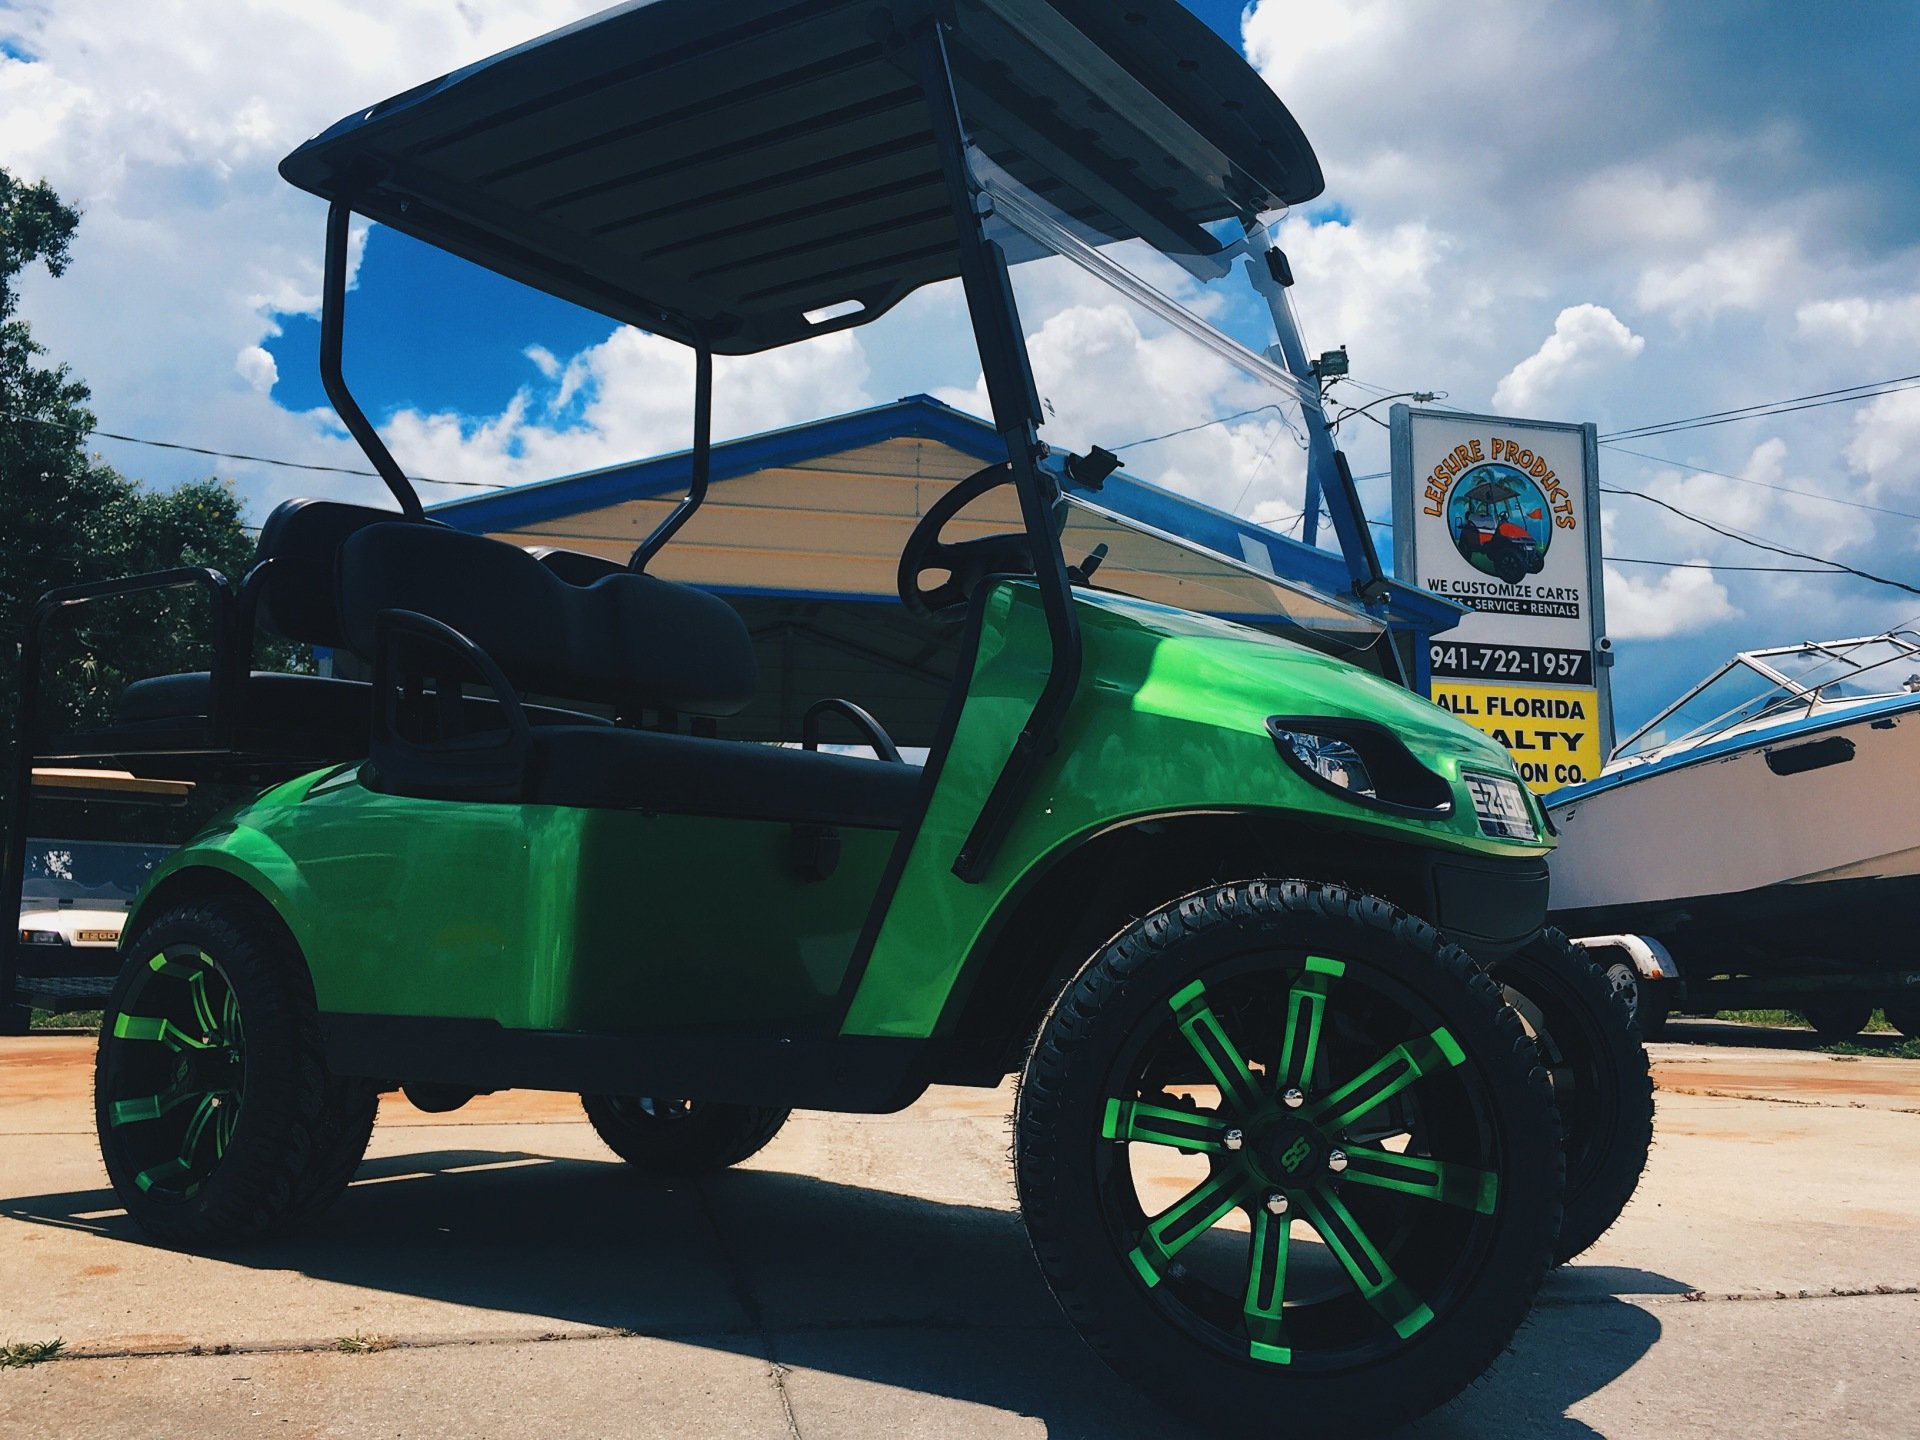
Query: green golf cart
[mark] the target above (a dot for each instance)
(1188, 853)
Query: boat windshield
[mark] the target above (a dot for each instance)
(1762, 684)
(1848, 669)
(1160, 356)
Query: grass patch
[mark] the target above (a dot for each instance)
(1876, 1023)
(1763, 1017)
(1905, 1050)
(65, 1020)
(18, 1355)
(362, 1344)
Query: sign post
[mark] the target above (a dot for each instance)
(1504, 515)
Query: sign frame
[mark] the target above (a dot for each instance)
(1402, 420)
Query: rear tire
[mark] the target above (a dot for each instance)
(1601, 1083)
(1437, 1247)
(1840, 1019)
(218, 1119)
(681, 1137)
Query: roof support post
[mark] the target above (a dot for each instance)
(333, 324)
(1016, 415)
(702, 450)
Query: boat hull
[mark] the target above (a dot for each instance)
(1779, 853)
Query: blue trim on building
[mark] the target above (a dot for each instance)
(1794, 728)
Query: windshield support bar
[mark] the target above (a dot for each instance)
(333, 321)
(1016, 415)
(702, 450)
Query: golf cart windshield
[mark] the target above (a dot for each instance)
(90, 874)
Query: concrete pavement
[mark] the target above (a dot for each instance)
(494, 1272)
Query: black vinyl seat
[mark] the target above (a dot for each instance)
(596, 632)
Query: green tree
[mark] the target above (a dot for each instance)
(69, 518)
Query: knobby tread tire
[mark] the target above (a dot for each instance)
(260, 1183)
(1609, 1129)
(709, 1137)
(1092, 1281)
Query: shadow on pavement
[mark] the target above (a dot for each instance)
(893, 1289)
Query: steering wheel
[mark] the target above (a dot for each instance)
(967, 562)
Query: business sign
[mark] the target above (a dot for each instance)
(1503, 516)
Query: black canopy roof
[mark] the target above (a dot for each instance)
(746, 162)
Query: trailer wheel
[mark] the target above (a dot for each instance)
(212, 1097)
(1601, 1082)
(680, 1137)
(1276, 1057)
(1904, 1016)
(1840, 1019)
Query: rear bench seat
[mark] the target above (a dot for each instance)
(632, 641)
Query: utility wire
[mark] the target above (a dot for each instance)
(1763, 484)
(258, 459)
(1838, 567)
(1845, 395)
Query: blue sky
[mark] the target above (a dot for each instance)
(1569, 208)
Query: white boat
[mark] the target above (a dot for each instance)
(1764, 823)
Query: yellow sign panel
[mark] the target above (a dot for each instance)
(1552, 734)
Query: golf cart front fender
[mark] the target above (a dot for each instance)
(1170, 721)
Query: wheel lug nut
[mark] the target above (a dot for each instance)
(1234, 1140)
(1276, 1204)
(1293, 1098)
(1336, 1160)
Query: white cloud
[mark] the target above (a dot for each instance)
(1744, 274)
(257, 368)
(626, 398)
(1586, 340)
(1677, 602)
(1860, 322)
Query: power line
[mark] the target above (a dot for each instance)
(1712, 565)
(1763, 484)
(258, 459)
(1871, 389)
(288, 464)
(1758, 544)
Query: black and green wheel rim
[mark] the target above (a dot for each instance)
(177, 1080)
(1322, 1229)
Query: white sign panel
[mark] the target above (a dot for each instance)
(1503, 516)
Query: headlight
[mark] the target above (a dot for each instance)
(1360, 761)
(42, 937)
(1501, 806)
(1332, 759)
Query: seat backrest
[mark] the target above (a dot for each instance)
(576, 567)
(300, 597)
(628, 640)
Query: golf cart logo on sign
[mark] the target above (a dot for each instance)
(1500, 523)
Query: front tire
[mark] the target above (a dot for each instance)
(218, 1119)
(1301, 1053)
(1601, 1083)
(681, 1137)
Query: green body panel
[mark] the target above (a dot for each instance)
(543, 918)
(1170, 718)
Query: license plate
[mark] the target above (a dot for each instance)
(1501, 806)
(99, 937)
